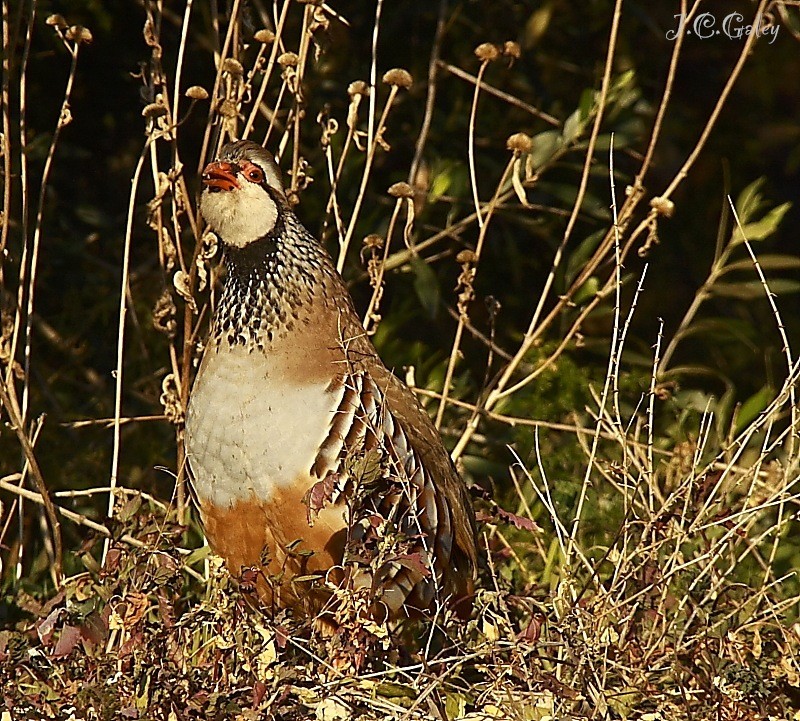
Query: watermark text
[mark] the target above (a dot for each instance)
(732, 26)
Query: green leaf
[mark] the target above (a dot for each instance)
(455, 706)
(129, 509)
(582, 253)
(199, 554)
(749, 201)
(587, 290)
(752, 407)
(760, 229)
(586, 105)
(718, 329)
(426, 286)
(388, 689)
(439, 186)
(753, 289)
(449, 178)
(773, 261)
(545, 146)
(572, 127)
(623, 702)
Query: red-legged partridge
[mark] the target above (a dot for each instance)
(305, 451)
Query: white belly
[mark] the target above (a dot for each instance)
(249, 432)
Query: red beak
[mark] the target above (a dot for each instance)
(220, 176)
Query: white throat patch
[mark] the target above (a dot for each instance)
(239, 216)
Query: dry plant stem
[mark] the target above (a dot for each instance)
(790, 450)
(374, 301)
(514, 421)
(471, 144)
(530, 335)
(373, 76)
(23, 162)
(215, 92)
(187, 13)
(333, 202)
(717, 270)
(651, 469)
(109, 422)
(268, 72)
(732, 78)
(123, 296)
(625, 213)
(371, 150)
(397, 260)
(665, 96)
(430, 99)
(455, 350)
(297, 91)
(81, 520)
(491, 90)
(613, 368)
(6, 136)
(778, 320)
(23, 269)
(9, 401)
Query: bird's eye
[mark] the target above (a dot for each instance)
(255, 174)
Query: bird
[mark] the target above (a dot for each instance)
(306, 453)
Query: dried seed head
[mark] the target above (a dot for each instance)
(79, 34)
(373, 241)
(264, 36)
(512, 49)
(232, 66)
(398, 77)
(466, 256)
(663, 206)
(197, 93)
(154, 110)
(288, 60)
(57, 21)
(357, 87)
(227, 109)
(487, 52)
(519, 143)
(401, 190)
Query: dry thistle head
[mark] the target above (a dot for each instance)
(154, 110)
(663, 206)
(401, 190)
(232, 66)
(196, 93)
(373, 242)
(487, 52)
(56, 21)
(288, 60)
(519, 143)
(357, 87)
(264, 36)
(398, 77)
(466, 257)
(79, 34)
(512, 50)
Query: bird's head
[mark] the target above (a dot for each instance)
(242, 193)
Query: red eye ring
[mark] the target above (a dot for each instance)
(255, 174)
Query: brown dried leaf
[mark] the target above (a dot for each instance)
(524, 524)
(415, 562)
(320, 495)
(46, 627)
(67, 641)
